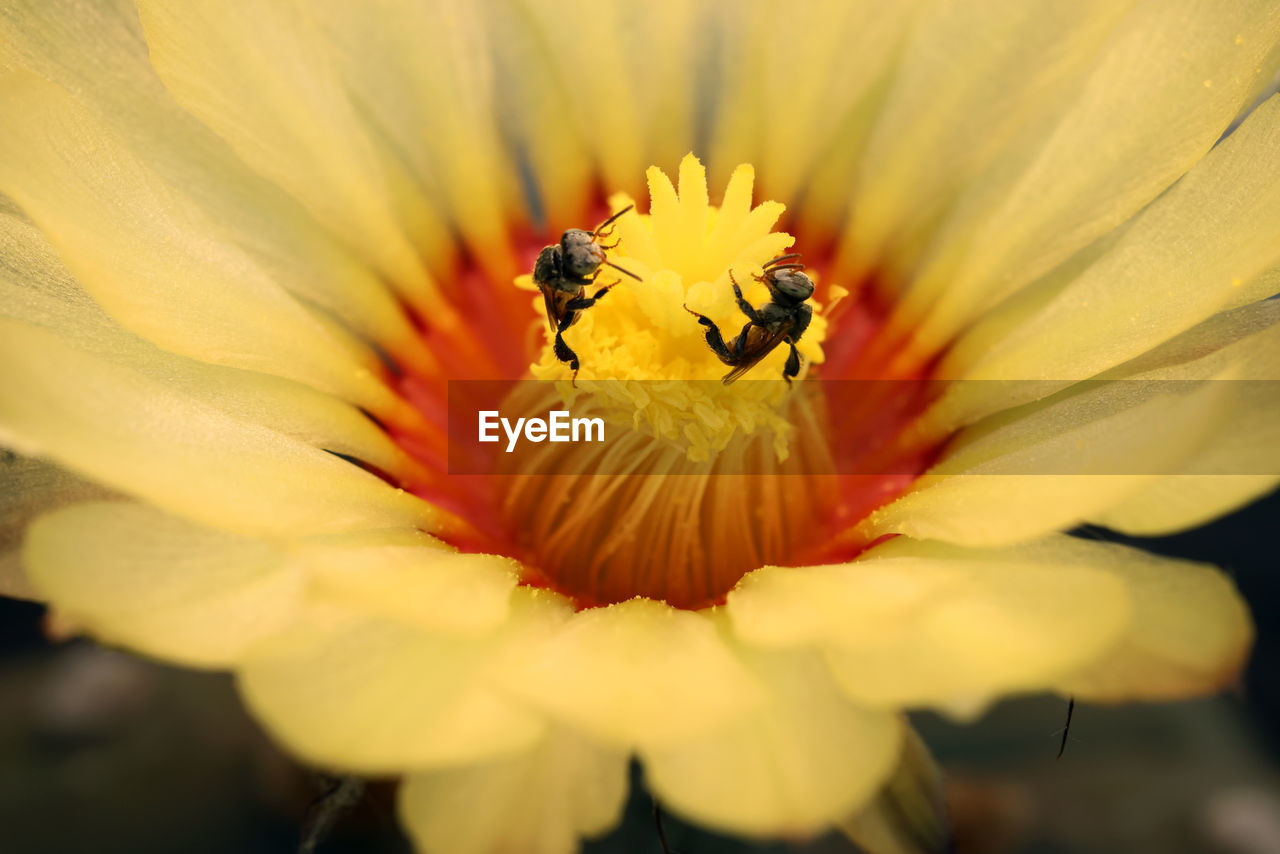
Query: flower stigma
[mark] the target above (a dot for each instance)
(645, 357)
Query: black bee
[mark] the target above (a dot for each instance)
(784, 318)
(563, 271)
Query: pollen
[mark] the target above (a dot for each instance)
(644, 357)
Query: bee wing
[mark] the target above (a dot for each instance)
(549, 300)
(760, 343)
(555, 301)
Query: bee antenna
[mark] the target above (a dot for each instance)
(776, 261)
(621, 270)
(602, 226)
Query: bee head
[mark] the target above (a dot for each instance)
(792, 284)
(582, 255)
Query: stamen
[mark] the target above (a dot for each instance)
(682, 254)
(659, 524)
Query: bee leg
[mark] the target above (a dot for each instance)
(746, 307)
(564, 354)
(714, 339)
(792, 368)
(740, 343)
(586, 302)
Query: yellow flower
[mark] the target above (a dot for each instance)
(244, 253)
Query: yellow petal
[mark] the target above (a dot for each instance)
(1181, 501)
(1262, 286)
(1236, 463)
(146, 256)
(267, 84)
(846, 48)
(633, 108)
(412, 577)
(915, 623)
(1145, 114)
(71, 46)
(13, 579)
(1189, 634)
(1043, 467)
(1173, 268)
(29, 488)
(617, 671)
(36, 289)
(161, 585)
(1243, 461)
(407, 90)
(122, 429)
(542, 801)
(1245, 340)
(368, 694)
(538, 108)
(800, 761)
(950, 109)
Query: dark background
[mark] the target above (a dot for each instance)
(104, 752)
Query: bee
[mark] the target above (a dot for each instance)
(784, 318)
(563, 271)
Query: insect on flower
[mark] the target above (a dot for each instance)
(563, 271)
(784, 318)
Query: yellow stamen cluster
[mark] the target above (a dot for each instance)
(640, 348)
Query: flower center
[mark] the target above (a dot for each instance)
(701, 480)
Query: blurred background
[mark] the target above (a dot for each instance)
(101, 751)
